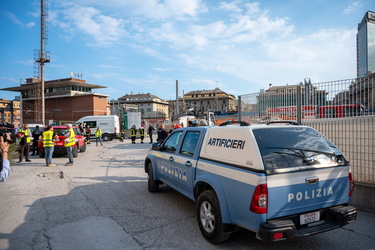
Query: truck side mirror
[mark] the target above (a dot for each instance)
(156, 146)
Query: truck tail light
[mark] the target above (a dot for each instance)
(259, 200)
(351, 184)
(115, 130)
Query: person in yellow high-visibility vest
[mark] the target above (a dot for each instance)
(133, 134)
(69, 142)
(24, 135)
(48, 144)
(98, 136)
(141, 131)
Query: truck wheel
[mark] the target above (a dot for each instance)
(75, 151)
(153, 186)
(105, 137)
(209, 218)
(83, 148)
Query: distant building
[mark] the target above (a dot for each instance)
(366, 45)
(363, 91)
(199, 102)
(10, 111)
(66, 100)
(153, 109)
(284, 96)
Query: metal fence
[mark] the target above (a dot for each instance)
(344, 111)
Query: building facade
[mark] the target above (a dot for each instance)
(153, 109)
(66, 100)
(366, 45)
(199, 102)
(10, 111)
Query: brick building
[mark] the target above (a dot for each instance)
(66, 100)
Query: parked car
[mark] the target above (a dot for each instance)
(79, 146)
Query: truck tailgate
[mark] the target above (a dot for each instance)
(304, 191)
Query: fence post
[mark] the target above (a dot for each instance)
(239, 108)
(299, 103)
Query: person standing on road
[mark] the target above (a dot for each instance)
(48, 144)
(5, 164)
(81, 129)
(36, 134)
(70, 140)
(150, 131)
(88, 134)
(141, 131)
(98, 136)
(133, 134)
(122, 133)
(24, 142)
(162, 134)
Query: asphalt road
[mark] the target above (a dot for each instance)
(102, 202)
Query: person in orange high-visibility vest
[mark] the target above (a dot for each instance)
(48, 144)
(69, 142)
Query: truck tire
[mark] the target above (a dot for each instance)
(75, 151)
(153, 186)
(83, 148)
(106, 137)
(209, 218)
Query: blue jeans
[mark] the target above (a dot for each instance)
(69, 150)
(99, 139)
(48, 152)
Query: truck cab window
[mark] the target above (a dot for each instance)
(171, 143)
(189, 143)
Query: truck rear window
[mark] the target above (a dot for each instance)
(296, 147)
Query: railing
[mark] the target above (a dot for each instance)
(341, 110)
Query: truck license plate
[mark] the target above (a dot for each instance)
(309, 218)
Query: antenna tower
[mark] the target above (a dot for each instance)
(41, 57)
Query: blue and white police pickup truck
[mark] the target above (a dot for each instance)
(282, 181)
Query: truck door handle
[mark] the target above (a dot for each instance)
(188, 164)
(171, 158)
(312, 180)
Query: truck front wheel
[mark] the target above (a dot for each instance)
(209, 218)
(105, 137)
(153, 186)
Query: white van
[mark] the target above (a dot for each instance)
(109, 124)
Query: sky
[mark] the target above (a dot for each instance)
(144, 46)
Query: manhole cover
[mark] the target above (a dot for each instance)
(52, 175)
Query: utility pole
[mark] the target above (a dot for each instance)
(43, 55)
(177, 103)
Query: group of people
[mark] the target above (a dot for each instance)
(161, 133)
(87, 132)
(48, 137)
(133, 133)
